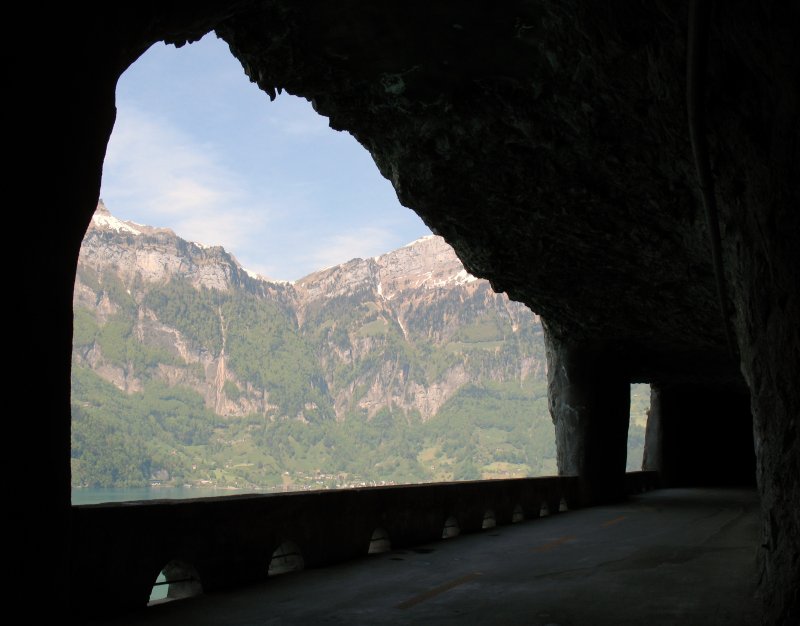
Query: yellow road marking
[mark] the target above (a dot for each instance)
(432, 593)
(550, 545)
(611, 522)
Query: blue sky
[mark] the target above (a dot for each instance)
(199, 149)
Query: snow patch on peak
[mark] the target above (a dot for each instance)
(261, 277)
(464, 277)
(424, 279)
(420, 240)
(460, 278)
(107, 221)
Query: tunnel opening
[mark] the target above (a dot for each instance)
(637, 426)
(195, 411)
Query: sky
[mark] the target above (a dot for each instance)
(199, 149)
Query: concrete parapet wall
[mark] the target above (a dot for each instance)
(119, 549)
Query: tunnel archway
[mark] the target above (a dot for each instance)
(520, 461)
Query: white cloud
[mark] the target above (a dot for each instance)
(273, 216)
(364, 242)
(306, 127)
(155, 174)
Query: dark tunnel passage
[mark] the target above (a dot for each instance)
(706, 440)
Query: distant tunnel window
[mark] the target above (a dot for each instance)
(640, 405)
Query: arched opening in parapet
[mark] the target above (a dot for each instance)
(393, 381)
(379, 542)
(177, 580)
(544, 509)
(637, 426)
(489, 520)
(518, 514)
(451, 528)
(286, 559)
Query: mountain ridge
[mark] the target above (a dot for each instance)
(104, 220)
(400, 367)
(157, 256)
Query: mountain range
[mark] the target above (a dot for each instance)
(189, 369)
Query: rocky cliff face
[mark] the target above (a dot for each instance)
(402, 331)
(136, 252)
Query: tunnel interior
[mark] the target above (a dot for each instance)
(548, 143)
(701, 436)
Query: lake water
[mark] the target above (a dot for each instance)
(99, 495)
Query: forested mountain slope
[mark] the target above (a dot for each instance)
(188, 369)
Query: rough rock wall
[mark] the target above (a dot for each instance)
(754, 108)
(537, 161)
(62, 119)
(58, 151)
(589, 395)
(555, 158)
